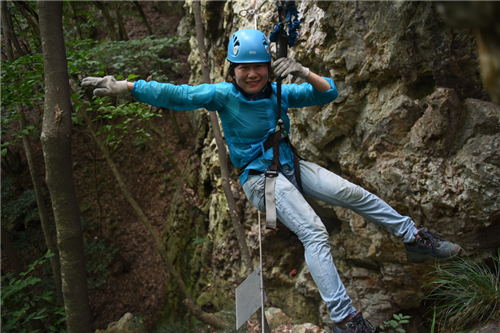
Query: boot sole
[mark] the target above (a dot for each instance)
(418, 258)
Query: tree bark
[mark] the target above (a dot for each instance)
(121, 27)
(11, 253)
(240, 234)
(37, 185)
(54, 261)
(144, 17)
(7, 32)
(111, 26)
(56, 144)
(75, 16)
(13, 36)
(163, 140)
(195, 310)
(30, 18)
(182, 138)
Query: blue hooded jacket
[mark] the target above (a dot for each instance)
(246, 123)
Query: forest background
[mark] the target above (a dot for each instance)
(140, 171)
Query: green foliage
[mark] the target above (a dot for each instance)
(22, 302)
(466, 292)
(200, 240)
(17, 206)
(98, 256)
(81, 17)
(137, 322)
(22, 29)
(22, 85)
(123, 58)
(394, 325)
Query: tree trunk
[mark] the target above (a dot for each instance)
(121, 27)
(182, 138)
(13, 36)
(163, 140)
(111, 26)
(75, 16)
(144, 17)
(195, 310)
(54, 260)
(35, 178)
(56, 143)
(7, 32)
(11, 253)
(240, 234)
(30, 18)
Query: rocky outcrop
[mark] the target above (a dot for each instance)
(412, 124)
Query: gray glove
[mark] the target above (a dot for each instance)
(106, 86)
(284, 66)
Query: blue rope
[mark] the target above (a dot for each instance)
(293, 24)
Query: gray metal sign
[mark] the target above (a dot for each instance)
(249, 297)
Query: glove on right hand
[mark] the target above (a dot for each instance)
(284, 66)
(106, 86)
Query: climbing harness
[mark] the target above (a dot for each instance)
(287, 11)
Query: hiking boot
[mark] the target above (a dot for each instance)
(428, 246)
(357, 324)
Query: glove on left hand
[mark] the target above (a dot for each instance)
(106, 86)
(284, 66)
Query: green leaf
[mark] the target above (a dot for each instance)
(73, 68)
(4, 151)
(400, 330)
(131, 77)
(396, 317)
(404, 321)
(25, 131)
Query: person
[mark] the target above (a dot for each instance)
(247, 107)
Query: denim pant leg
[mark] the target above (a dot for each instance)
(294, 211)
(326, 186)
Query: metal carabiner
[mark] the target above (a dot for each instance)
(248, 11)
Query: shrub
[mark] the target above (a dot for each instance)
(466, 292)
(22, 302)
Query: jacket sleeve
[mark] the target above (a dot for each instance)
(177, 97)
(304, 95)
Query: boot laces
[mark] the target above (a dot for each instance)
(433, 239)
(362, 325)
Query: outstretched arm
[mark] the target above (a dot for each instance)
(284, 66)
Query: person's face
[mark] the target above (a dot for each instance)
(252, 78)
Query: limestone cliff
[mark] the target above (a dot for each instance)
(412, 124)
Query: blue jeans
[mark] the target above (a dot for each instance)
(294, 211)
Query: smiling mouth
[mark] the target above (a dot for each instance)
(253, 83)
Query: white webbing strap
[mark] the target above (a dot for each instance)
(270, 199)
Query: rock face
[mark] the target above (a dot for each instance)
(412, 124)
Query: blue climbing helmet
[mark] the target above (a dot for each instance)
(248, 46)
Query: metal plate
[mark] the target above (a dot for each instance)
(248, 297)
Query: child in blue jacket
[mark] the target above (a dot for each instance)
(248, 111)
